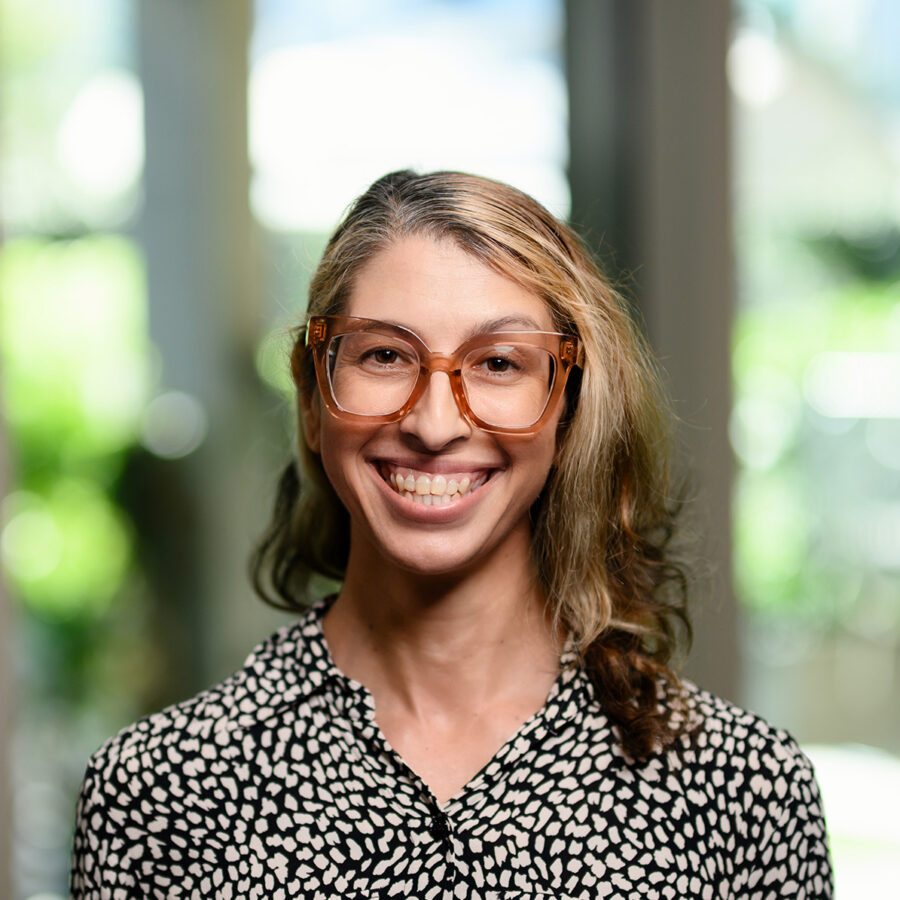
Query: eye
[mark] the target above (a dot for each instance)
(498, 364)
(497, 361)
(384, 356)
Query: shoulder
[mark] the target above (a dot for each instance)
(737, 770)
(271, 673)
(162, 782)
(719, 753)
(182, 742)
(723, 736)
(733, 793)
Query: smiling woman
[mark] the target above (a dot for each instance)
(486, 708)
(421, 424)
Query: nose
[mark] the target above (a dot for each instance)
(436, 420)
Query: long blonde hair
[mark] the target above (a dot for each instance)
(603, 522)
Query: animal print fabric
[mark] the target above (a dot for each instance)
(278, 783)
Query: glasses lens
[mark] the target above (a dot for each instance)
(508, 384)
(371, 374)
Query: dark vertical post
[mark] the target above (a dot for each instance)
(688, 288)
(197, 235)
(650, 149)
(604, 84)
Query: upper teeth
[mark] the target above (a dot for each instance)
(429, 484)
(433, 489)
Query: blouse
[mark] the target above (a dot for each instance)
(278, 783)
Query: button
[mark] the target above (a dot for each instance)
(439, 827)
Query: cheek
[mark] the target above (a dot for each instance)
(543, 470)
(535, 460)
(331, 452)
(341, 453)
(548, 459)
(337, 471)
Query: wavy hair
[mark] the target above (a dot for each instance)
(603, 524)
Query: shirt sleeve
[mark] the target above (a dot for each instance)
(786, 852)
(101, 852)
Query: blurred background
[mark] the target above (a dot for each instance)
(169, 172)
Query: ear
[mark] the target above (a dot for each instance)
(311, 419)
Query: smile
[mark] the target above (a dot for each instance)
(432, 489)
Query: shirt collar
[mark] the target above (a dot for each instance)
(295, 665)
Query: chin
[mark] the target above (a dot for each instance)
(440, 565)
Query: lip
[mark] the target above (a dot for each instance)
(437, 466)
(432, 514)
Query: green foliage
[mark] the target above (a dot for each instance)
(74, 357)
(67, 549)
(34, 30)
(791, 512)
(273, 361)
(74, 348)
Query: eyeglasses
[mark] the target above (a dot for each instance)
(507, 382)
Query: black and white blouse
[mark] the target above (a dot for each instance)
(278, 783)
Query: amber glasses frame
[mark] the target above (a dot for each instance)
(320, 330)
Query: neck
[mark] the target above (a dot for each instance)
(437, 645)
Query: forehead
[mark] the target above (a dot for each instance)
(443, 294)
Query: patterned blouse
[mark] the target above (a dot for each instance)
(278, 783)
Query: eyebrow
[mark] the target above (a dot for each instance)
(503, 323)
(506, 323)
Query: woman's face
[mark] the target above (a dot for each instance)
(444, 295)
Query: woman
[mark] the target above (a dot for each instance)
(486, 708)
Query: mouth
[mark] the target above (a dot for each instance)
(432, 489)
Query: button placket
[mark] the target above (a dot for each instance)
(439, 826)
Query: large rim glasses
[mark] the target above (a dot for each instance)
(508, 382)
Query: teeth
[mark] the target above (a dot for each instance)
(433, 490)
